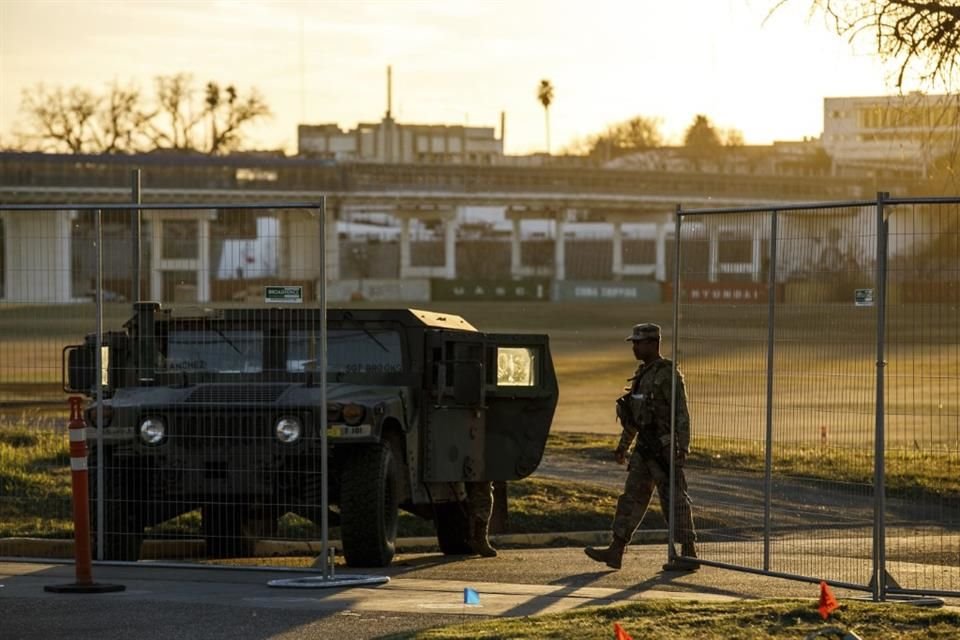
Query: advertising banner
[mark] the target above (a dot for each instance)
(644, 291)
(528, 289)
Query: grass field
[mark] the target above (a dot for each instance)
(749, 620)
(824, 382)
(35, 498)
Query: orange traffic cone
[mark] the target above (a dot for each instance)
(619, 633)
(827, 602)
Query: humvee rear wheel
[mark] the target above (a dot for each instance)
(453, 528)
(369, 506)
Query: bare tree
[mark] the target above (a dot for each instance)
(545, 96)
(178, 120)
(59, 119)
(122, 120)
(77, 120)
(228, 112)
(917, 33)
(732, 137)
(639, 133)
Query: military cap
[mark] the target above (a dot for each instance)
(644, 331)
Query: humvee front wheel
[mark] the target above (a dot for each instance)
(369, 505)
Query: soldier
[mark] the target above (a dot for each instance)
(644, 413)
(479, 508)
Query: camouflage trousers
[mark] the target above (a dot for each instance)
(479, 499)
(637, 492)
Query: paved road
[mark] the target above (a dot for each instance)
(735, 499)
(425, 590)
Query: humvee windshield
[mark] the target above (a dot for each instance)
(348, 351)
(225, 351)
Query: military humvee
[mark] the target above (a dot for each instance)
(220, 411)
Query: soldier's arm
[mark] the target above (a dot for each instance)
(664, 383)
(629, 432)
(626, 439)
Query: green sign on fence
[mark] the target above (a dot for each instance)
(283, 295)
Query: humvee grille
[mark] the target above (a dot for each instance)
(230, 393)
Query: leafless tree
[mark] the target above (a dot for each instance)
(59, 119)
(122, 120)
(922, 34)
(78, 120)
(639, 133)
(177, 118)
(228, 112)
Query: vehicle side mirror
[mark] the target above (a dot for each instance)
(80, 368)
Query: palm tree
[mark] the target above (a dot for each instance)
(545, 96)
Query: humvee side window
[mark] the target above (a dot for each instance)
(224, 351)
(516, 367)
(348, 351)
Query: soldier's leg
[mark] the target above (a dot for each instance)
(684, 530)
(631, 507)
(479, 508)
(633, 502)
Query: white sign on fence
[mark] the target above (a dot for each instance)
(863, 297)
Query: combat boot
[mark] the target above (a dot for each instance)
(686, 563)
(479, 542)
(612, 555)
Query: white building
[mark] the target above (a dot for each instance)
(901, 134)
(389, 141)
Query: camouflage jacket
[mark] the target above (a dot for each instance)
(647, 406)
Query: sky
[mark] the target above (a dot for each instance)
(457, 61)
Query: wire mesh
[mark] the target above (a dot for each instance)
(922, 408)
(822, 518)
(232, 490)
(194, 451)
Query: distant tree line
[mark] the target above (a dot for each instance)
(702, 139)
(123, 119)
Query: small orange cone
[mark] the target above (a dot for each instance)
(619, 633)
(827, 602)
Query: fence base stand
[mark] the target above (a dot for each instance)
(76, 587)
(915, 601)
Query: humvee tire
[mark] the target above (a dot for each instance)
(369, 505)
(453, 528)
(123, 515)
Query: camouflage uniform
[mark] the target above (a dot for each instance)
(647, 419)
(479, 509)
(479, 499)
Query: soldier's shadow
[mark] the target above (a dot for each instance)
(425, 561)
(669, 578)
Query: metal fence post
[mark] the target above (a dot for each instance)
(136, 234)
(671, 519)
(879, 487)
(768, 458)
(324, 467)
(98, 359)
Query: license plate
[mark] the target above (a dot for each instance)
(347, 431)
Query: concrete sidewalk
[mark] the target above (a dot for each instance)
(162, 602)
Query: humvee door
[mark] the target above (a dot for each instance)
(521, 395)
(454, 408)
